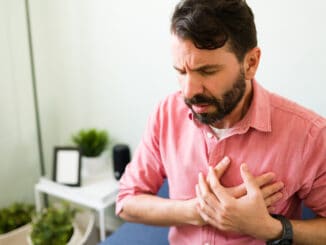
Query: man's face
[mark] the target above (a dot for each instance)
(212, 81)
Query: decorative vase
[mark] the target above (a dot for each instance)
(17, 236)
(92, 166)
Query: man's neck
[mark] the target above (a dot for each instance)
(239, 112)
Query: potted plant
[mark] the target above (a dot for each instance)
(93, 143)
(54, 225)
(15, 223)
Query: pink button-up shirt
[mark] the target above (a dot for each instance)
(275, 135)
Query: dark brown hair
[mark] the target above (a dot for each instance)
(210, 24)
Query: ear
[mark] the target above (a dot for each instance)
(251, 62)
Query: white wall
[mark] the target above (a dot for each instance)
(292, 37)
(100, 64)
(18, 148)
(106, 63)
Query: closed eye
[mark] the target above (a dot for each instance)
(208, 70)
(207, 73)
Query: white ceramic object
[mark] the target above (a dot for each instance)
(17, 236)
(92, 166)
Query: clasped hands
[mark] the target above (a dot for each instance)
(241, 209)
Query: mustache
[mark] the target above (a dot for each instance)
(200, 99)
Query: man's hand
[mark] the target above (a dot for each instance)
(271, 191)
(247, 214)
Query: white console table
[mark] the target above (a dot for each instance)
(96, 193)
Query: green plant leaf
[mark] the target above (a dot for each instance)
(15, 216)
(53, 226)
(92, 142)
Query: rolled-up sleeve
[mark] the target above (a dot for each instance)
(145, 173)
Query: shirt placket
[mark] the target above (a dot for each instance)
(216, 152)
(206, 239)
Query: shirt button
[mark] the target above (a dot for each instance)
(209, 135)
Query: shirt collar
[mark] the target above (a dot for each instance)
(258, 115)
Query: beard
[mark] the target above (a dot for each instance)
(223, 106)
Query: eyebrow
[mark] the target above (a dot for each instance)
(204, 67)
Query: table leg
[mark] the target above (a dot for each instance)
(102, 224)
(38, 202)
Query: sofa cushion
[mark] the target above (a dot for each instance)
(132, 233)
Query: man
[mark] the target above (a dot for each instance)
(239, 159)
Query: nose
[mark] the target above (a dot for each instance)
(191, 86)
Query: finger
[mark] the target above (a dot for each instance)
(207, 218)
(271, 200)
(219, 190)
(222, 166)
(248, 179)
(238, 191)
(199, 197)
(202, 214)
(204, 194)
(204, 188)
(204, 191)
(272, 188)
(264, 179)
(207, 207)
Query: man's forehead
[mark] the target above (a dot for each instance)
(185, 53)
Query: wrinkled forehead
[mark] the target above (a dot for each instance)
(185, 53)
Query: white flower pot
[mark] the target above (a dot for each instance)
(92, 166)
(17, 236)
(76, 236)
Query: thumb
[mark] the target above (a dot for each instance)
(248, 178)
(222, 166)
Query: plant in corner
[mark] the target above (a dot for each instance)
(15, 216)
(54, 225)
(15, 222)
(92, 143)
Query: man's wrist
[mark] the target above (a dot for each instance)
(192, 215)
(273, 230)
(286, 237)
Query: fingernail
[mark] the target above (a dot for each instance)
(245, 166)
(272, 175)
(200, 176)
(226, 159)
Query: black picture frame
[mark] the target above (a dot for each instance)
(67, 165)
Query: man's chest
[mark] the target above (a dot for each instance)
(197, 152)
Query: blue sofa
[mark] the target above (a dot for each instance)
(134, 234)
(139, 234)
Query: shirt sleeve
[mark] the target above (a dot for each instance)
(145, 173)
(313, 191)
